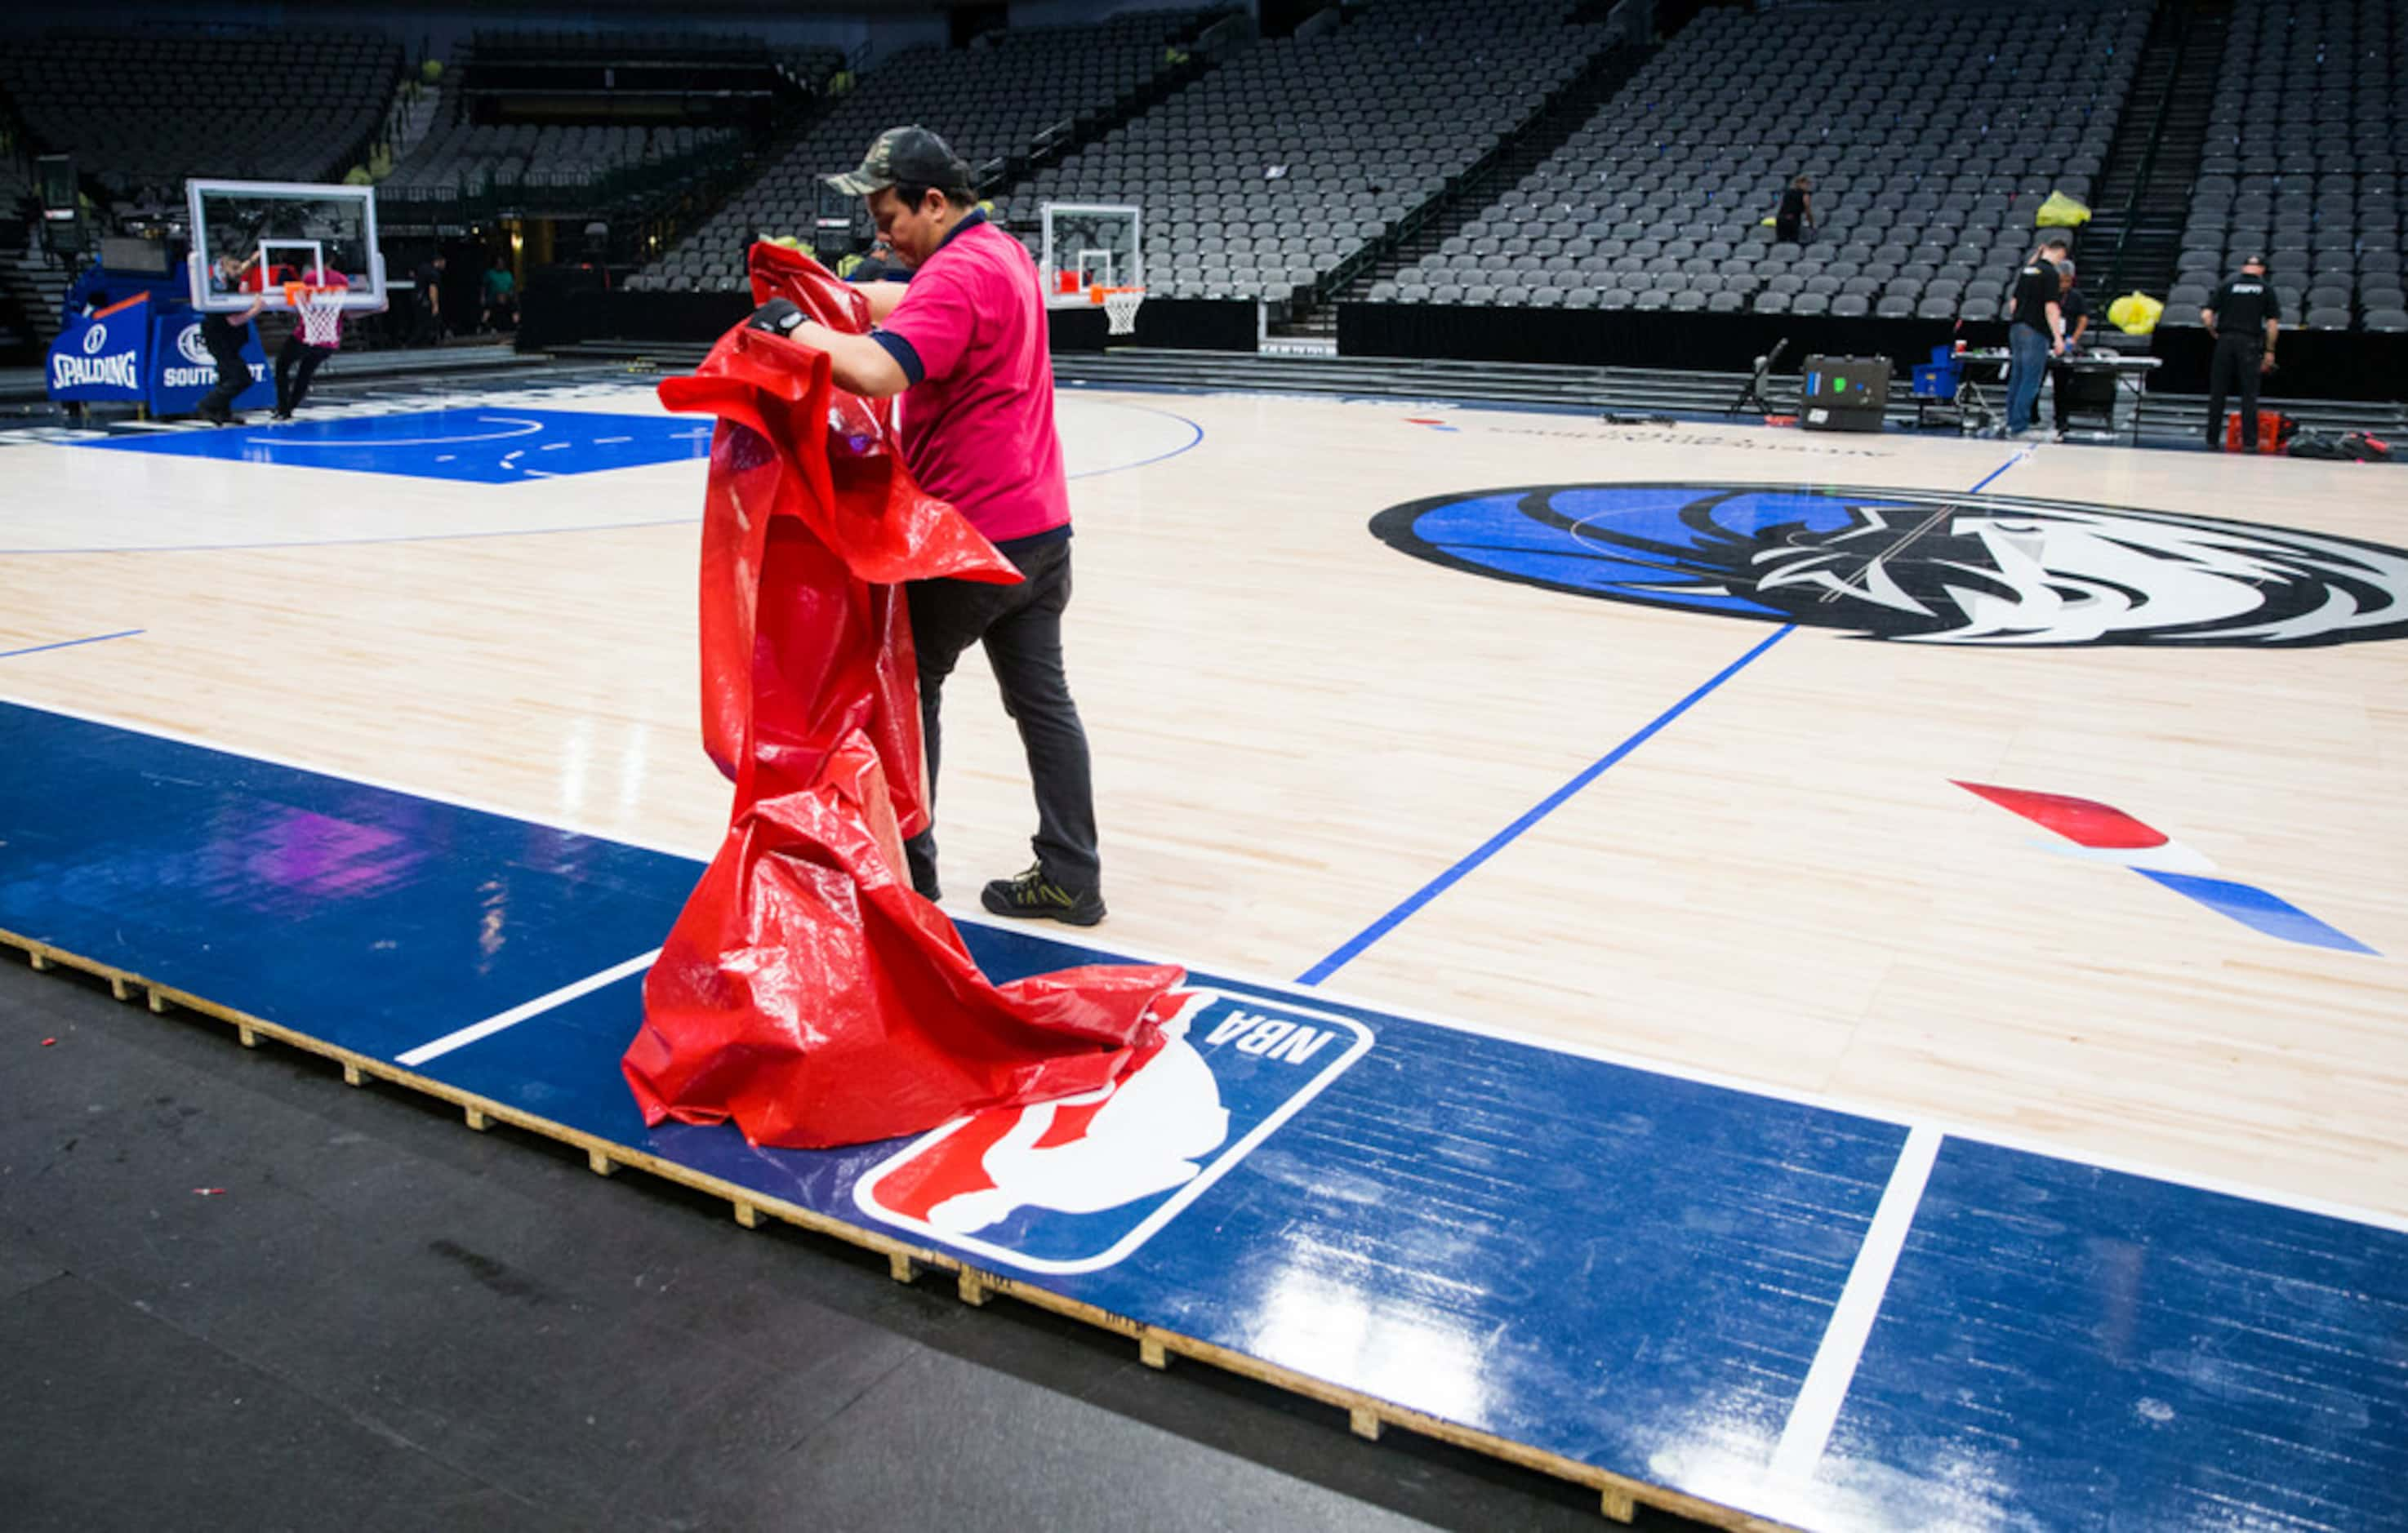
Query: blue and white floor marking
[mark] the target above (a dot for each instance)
(1677, 1304)
(70, 643)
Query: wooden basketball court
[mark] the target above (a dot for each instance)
(1678, 823)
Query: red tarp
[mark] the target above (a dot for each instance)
(806, 992)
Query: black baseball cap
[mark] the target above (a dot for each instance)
(908, 156)
(2252, 260)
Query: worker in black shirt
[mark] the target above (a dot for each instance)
(2075, 310)
(223, 335)
(2244, 319)
(1796, 210)
(427, 328)
(2036, 334)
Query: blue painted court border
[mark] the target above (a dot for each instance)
(1620, 1268)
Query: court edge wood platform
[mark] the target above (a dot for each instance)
(1619, 1498)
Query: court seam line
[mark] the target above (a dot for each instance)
(71, 643)
(502, 1021)
(1833, 1372)
(1884, 1116)
(1354, 946)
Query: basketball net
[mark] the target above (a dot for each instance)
(320, 309)
(1120, 308)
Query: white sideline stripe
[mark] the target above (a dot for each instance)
(516, 1014)
(1834, 1369)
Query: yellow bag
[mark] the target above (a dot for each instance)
(2135, 313)
(2062, 212)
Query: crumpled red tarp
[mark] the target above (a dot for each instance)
(806, 992)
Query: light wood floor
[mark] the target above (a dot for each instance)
(1297, 727)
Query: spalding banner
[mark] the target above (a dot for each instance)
(182, 370)
(104, 358)
(149, 353)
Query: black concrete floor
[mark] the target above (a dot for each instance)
(376, 1318)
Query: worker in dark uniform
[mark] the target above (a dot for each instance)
(2244, 319)
(2075, 309)
(1797, 211)
(2036, 333)
(223, 335)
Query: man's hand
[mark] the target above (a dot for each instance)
(859, 365)
(2266, 363)
(778, 317)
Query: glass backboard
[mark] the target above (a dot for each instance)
(251, 238)
(1091, 245)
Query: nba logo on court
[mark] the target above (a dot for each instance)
(1076, 1186)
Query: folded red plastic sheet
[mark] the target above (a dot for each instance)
(806, 992)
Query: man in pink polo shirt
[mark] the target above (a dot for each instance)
(966, 337)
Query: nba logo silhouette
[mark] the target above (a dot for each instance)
(1075, 1185)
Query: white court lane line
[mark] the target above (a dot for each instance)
(1834, 1369)
(438, 1048)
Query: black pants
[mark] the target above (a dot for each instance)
(1784, 227)
(296, 362)
(426, 325)
(2238, 359)
(1021, 627)
(234, 369)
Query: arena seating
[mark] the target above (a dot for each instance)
(2305, 140)
(564, 44)
(468, 160)
(142, 111)
(810, 67)
(989, 100)
(1271, 173)
(1929, 155)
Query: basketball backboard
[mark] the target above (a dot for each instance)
(1091, 245)
(276, 232)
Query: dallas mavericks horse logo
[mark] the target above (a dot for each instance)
(1924, 567)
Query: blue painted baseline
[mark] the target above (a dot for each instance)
(1622, 1269)
(487, 445)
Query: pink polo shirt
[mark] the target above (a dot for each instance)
(978, 421)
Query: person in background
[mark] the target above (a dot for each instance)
(428, 329)
(501, 311)
(2244, 319)
(2035, 333)
(2075, 310)
(298, 359)
(1795, 221)
(223, 334)
(879, 264)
